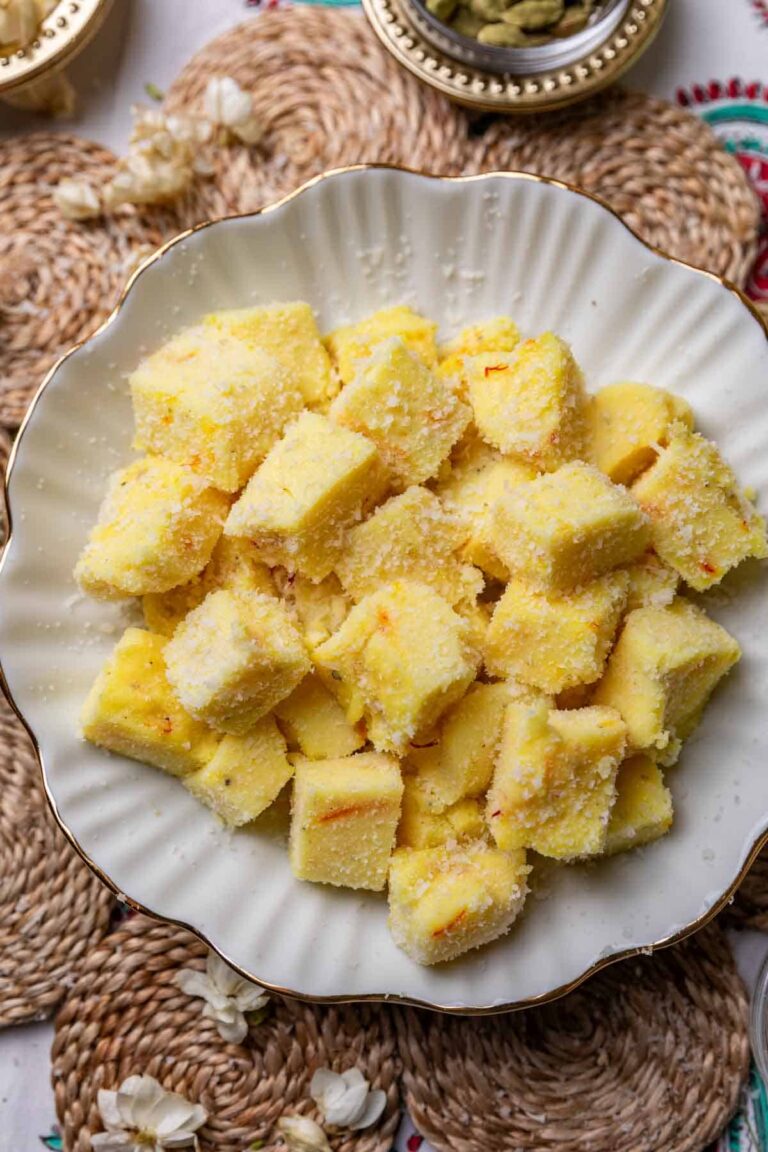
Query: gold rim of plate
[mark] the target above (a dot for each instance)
(63, 33)
(491, 92)
(376, 997)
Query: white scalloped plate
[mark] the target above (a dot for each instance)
(459, 250)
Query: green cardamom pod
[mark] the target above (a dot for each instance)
(466, 23)
(503, 36)
(533, 15)
(490, 10)
(443, 9)
(572, 21)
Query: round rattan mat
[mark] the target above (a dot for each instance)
(661, 168)
(125, 1014)
(52, 908)
(58, 279)
(648, 1056)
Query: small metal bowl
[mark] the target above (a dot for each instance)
(61, 36)
(497, 79)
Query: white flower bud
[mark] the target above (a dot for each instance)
(76, 200)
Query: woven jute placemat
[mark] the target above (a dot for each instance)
(648, 1056)
(58, 279)
(328, 95)
(126, 1014)
(52, 908)
(661, 168)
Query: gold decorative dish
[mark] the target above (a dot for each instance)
(61, 36)
(496, 79)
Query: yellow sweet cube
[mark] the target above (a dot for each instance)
(555, 640)
(498, 335)
(234, 658)
(156, 528)
(651, 583)
(555, 779)
(245, 774)
(320, 608)
(421, 827)
(413, 417)
(289, 333)
(478, 477)
(344, 819)
(531, 402)
(661, 673)
(314, 721)
(313, 485)
(566, 528)
(627, 424)
(460, 762)
(401, 657)
(643, 809)
(213, 404)
(413, 537)
(477, 614)
(132, 710)
(447, 900)
(234, 564)
(352, 345)
(701, 522)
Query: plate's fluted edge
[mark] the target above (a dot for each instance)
(461, 1010)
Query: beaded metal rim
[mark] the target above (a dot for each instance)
(494, 93)
(674, 937)
(62, 35)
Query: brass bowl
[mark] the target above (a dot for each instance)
(63, 33)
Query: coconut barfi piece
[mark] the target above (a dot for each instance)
(351, 345)
(555, 640)
(234, 657)
(245, 775)
(498, 335)
(234, 564)
(344, 818)
(627, 425)
(213, 404)
(531, 402)
(320, 608)
(652, 584)
(447, 900)
(131, 710)
(643, 809)
(156, 528)
(421, 827)
(661, 673)
(289, 333)
(554, 784)
(702, 524)
(314, 721)
(401, 657)
(413, 537)
(568, 527)
(313, 485)
(477, 478)
(413, 417)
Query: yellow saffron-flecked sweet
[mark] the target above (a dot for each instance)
(568, 527)
(234, 564)
(652, 583)
(555, 640)
(531, 402)
(288, 332)
(661, 673)
(157, 527)
(344, 818)
(132, 710)
(314, 720)
(234, 657)
(401, 657)
(447, 900)
(643, 809)
(213, 404)
(554, 784)
(411, 537)
(411, 415)
(628, 423)
(702, 524)
(313, 485)
(421, 827)
(498, 335)
(320, 607)
(355, 343)
(245, 775)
